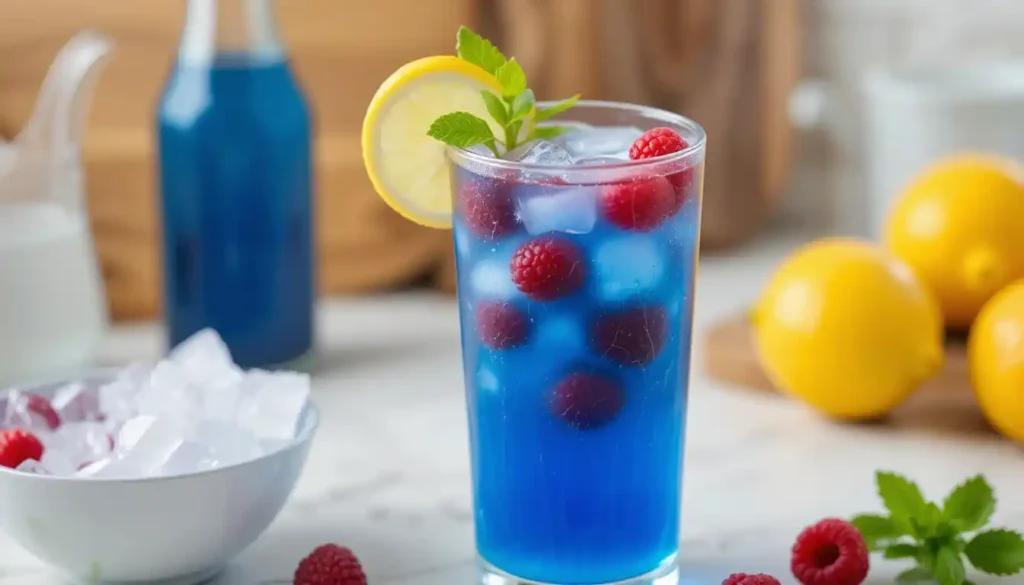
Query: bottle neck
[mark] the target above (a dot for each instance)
(229, 27)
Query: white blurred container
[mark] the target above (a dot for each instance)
(899, 120)
(53, 309)
(917, 115)
(848, 39)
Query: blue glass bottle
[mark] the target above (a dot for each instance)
(235, 180)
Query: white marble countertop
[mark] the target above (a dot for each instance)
(388, 472)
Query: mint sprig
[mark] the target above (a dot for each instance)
(512, 109)
(463, 129)
(940, 540)
(479, 51)
(556, 108)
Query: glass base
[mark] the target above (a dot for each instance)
(666, 574)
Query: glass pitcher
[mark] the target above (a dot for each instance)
(53, 309)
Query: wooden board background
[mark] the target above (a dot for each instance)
(945, 403)
(729, 63)
(342, 52)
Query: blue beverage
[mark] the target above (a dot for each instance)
(576, 320)
(235, 177)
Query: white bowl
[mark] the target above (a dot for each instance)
(179, 529)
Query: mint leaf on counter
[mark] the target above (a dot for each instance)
(876, 527)
(928, 523)
(475, 49)
(901, 551)
(938, 540)
(949, 568)
(970, 505)
(876, 530)
(997, 552)
(463, 130)
(902, 498)
(915, 575)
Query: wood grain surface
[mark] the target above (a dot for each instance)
(729, 64)
(342, 51)
(945, 403)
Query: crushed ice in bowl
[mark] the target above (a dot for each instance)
(193, 411)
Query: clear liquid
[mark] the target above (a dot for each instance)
(555, 502)
(235, 177)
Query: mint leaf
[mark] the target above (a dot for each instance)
(901, 551)
(495, 107)
(949, 569)
(549, 131)
(928, 522)
(946, 531)
(479, 51)
(902, 498)
(512, 79)
(514, 129)
(556, 108)
(926, 556)
(875, 528)
(970, 505)
(997, 552)
(513, 109)
(462, 129)
(523, 104)
(915, 575)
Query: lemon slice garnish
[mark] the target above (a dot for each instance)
(408, 169)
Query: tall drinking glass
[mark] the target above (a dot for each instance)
(576, 290)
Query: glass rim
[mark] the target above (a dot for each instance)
(670, 119)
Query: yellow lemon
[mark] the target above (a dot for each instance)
(995, 354)
(960, 227)
(847, 328)
(409, 169)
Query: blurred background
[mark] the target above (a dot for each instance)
(780, 92)
(817, 112)
(731, 64)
